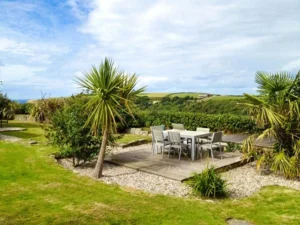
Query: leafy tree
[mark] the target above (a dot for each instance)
(7, 107)
(276, 111)
(111, 91)
(66, 131)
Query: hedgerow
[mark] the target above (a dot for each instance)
(225, 122)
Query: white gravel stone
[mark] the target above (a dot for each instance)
(244, 181)
(127, 177)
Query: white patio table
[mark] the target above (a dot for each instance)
(192, 135)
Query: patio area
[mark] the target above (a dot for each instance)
(141, 158)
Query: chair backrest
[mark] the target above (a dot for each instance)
(174, 137)
(178, 126)
(157, 128)
(203, 129)
(158, 135)
(217, 137)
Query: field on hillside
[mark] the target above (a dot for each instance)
(226, 97)
(155, 94)
(171, 95)
(191, 94)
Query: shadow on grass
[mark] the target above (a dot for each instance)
(12, 123)
(21, 134)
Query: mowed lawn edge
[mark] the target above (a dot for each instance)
(34, 189)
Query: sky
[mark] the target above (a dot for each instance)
(213, 46)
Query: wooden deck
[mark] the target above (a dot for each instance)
(143, 160)
(239, 138)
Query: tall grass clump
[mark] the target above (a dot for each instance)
(209, 183)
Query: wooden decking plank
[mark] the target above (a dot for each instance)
(143, 160)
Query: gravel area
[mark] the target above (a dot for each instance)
(127, 177)
(242, 181)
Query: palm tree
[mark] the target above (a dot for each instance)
(276, 112)
(112, 91)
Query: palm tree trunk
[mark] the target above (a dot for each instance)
(101, 155)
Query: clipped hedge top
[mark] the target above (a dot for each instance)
(224, 122)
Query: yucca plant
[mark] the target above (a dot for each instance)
(112, 92)
(276, 112)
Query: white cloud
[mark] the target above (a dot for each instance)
(19, 74)
(34, 52)
(173, 45)
(292, 66)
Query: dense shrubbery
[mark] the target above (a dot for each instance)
(225, 122)
(67, 131)
(7, 107)
(277, 112)
(43, 109)
(209, 183)
(23, 108)
(215, 105)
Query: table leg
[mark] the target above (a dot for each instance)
(193, 148)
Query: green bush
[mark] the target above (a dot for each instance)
(7, 107)
(67, 131)
(209, 183)
(43, 109)
(23, 108)
(231, 147)
(224, 122)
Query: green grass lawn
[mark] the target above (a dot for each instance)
(34, 189)
(33, 130)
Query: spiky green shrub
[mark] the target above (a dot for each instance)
(277, 112)
(209, 183)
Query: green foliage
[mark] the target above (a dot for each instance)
(67, 131)
(231, 147)
(7, 107)
(209, 183)
(43, 109)
(23, 108)
(112, 93)
(211, 105)
(225, 122)
(276, 112)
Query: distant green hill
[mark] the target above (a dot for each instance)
(159, 95)
(200, 102)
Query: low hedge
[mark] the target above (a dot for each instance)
(225, 122)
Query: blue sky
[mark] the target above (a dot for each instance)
(173, 45)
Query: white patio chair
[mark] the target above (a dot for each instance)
(178, 126)
(203, 140)
(176, 142)
(161, 128)
(159, 141)
(215, 142)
